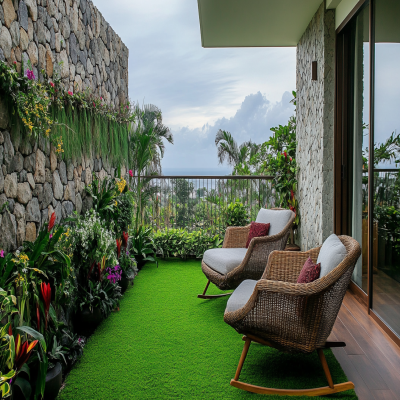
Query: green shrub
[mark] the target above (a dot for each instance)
(236, 214)
(181, 243)
(125, 211)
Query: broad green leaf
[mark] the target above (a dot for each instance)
(35, 334)
(25, 387)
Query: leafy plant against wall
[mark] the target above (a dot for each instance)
(77, 123)
(236, 214)
(183, 244)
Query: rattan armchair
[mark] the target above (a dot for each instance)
(290, 316)
(254, 260)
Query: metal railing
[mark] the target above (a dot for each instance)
(198, 202)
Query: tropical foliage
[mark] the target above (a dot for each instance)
(275, 158)
(183, 244)
(236, 214)
(77, 123)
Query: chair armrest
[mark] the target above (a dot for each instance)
(236, 236)
(275, 294)
(286, 265)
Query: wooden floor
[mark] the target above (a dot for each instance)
(371, 360)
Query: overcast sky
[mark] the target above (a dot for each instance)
(245, 91)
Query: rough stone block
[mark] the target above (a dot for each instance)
(30, 232)
(8, 233)
(24, 193)
(11, 185)
(33, 211)
(58, 189)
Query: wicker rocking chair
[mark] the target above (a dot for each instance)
(228, 267)
(292, 317)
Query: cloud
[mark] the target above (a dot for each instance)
(199, 90)
(191, 85)
(195, 147)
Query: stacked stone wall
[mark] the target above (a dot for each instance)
(68, 37)
(73, 37)
(315, 129)
(35, 183)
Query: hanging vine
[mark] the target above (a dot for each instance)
(79, 124)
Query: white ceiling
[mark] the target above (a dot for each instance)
(254, 23)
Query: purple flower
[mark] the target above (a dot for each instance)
(127, 253)
(51, 235)
(2, 253)
(30, 75)
(114, 274)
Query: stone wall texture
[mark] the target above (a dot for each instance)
(315, 129)
(68, 37)
(33, 180)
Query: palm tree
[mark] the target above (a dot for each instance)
(146, 151)
(228, 149)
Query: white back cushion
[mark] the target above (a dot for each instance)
(277, 218)
(332, 253)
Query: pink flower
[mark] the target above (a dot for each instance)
(30, 75)
(94, 104)
(51, 84)
(50, 236)
(15, 63)
(127, 106)
(130, 173)
(70, 93)
(101, 98)
(2, 253)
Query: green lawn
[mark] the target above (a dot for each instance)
(165, 343)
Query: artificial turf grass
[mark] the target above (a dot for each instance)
(165, 343)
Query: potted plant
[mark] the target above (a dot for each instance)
(74, 345)
(142, 246)
(95, 303)
(56, 356)
(128, 270)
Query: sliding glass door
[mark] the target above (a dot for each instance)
(354, 45)
(386, 193)
(367, 150)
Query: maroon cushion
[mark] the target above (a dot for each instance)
(257, 229)
(310, 272)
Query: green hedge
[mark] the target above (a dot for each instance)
(183, 244)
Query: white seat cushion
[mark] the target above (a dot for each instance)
(277, 218)
(332, 253)
(241, 295)
(224, 260)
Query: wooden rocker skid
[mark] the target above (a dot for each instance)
(321, 391)
(211, 296)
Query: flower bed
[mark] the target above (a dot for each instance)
(56, 290)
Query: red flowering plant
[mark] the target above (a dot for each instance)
(16, 350)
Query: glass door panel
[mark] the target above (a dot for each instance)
(357, 138)
(386, 191)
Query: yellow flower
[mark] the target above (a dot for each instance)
(23, 257)
(116, 203)
(121, 185)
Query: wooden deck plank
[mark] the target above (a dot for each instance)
(373, 351)
(369, 373)
(382, 355)
(384, 395)
(353, 375)
(343, 335)
(390, 349)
